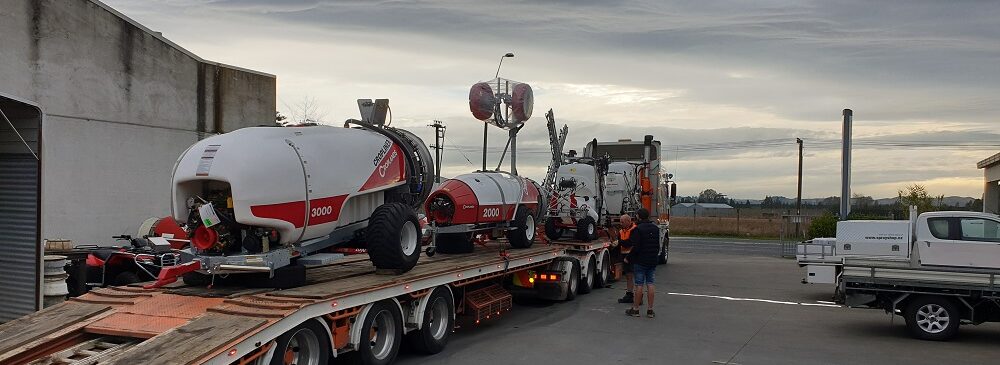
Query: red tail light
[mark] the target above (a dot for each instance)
(204, 238)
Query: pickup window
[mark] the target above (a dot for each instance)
(978, 229)
(939, 228)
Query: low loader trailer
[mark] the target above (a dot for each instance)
(346, 309)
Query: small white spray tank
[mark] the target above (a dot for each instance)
(488, 201)
(255, 199)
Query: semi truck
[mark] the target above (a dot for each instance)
(944, 275)
(346, 310)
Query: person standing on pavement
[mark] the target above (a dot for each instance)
(625, 246)
(645, 239)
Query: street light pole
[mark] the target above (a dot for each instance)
(485, 127)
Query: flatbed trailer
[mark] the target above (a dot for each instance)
(934, 300)
(346, 309)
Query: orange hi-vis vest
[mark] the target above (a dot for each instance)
(623, 235)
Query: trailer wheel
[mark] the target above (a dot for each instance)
(604, 276)
(932, 318)
(524, 233)
(587, 285)
(552, 231)
(573, 285)
(437, 323)
(453, 243)
(664, 249)
(381, 333)
(394, 237)
(306, 344)
(586, 229)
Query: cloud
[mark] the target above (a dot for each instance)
(686, 72)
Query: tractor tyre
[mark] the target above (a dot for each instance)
(393, 237)
(523, 234)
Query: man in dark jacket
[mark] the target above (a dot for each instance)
(644, 256)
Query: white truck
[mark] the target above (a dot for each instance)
(823, 258)
(938, 273)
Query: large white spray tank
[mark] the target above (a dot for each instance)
(575, 200)
(494, 202)
(254, 199)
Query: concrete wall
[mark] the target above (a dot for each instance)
(121, 103)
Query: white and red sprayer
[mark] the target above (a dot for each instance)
(256, 199)
(500, 204)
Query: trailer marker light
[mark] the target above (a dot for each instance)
(531, 280)
(334, 304)
(407, 287)
(232, 352)
(459, 274)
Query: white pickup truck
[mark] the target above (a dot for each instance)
(948, 238)
(937, 274)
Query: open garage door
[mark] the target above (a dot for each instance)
(20, 247)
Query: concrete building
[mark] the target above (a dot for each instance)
(991, 189)
(702, 210)
(101, 108)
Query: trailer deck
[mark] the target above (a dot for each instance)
(188, 325)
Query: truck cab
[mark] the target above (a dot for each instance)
(961, 239)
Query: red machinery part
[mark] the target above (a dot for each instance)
(168, 226)
(522, 102)
(463, 200)
(204, 238)
(170, 274)
(482, 101)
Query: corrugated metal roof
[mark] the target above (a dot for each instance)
(704, 205)
(989, 161)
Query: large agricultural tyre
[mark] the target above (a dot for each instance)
(393, 237)
(552, 231)
(306, 344)
(381, 334)
(438, 319)
(932, 318)
(586, 229)
(455, 243)
(523, 234)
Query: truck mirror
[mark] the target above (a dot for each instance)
(673, 193)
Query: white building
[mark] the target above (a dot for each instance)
(702, 210)
(101, 108)
(991, 189)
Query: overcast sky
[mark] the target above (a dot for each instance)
(687, 72)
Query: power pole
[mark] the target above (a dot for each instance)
(438, 146)
(798, 196)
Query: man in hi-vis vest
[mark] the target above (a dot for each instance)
(623, 241)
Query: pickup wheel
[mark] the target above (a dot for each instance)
(381, 333)
(393, 237)
(306, 344)
(552, 231)
(932, 318)
(524, 233)
(432, 336)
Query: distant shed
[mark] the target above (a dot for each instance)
(991, 187)
(702, 210)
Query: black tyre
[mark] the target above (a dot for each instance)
(126, 277)
(433, 334)
(523, 234)
(664, 250)
(588, 284)
(306, 344)
(393, 237)
(586, 229)
(932, 318)
(552, 231)
(573, 282)
(382, 332)
(455, 243)
(604, 274)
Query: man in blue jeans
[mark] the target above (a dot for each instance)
(644, 256)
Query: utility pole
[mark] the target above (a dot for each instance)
(438, 146)
(798, 196)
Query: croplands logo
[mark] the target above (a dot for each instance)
(382, 152)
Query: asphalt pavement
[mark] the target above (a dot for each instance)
(724, 302)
